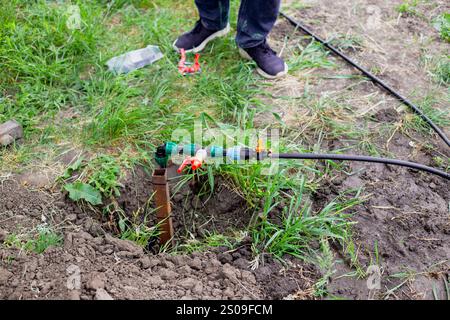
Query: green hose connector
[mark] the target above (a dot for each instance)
(171, 148)
(164, 153)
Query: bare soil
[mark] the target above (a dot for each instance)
(406, 219)
(111, 268)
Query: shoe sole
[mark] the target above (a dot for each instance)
(202, 45)
(245, 55)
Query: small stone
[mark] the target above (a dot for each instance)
(9, 132)
(6, 140)
(101, 294)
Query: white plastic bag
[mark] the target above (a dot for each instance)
(134, 59)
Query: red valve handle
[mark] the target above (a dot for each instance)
(194, 162)
(185, 162)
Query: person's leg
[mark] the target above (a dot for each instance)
(213, 13)
(256, 20)
(213, 23)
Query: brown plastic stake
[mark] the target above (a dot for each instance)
(162, 198)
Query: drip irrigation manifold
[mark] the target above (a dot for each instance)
(371, 76)
(195, 156)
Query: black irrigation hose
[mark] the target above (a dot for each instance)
(372, 77)
(343, 157)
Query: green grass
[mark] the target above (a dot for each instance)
(442, 25)
(95, 179)
(300, 227)
(347, 42)
(408, 7)
(415, 123)
(210, 240)
(442, 70)
(312, 56)
(137, 229)
(39, 241)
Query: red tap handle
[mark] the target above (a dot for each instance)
(183, 69)
(194, 162)
(186, 162)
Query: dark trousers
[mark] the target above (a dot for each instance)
(256, 18)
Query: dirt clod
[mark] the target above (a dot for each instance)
(97, 281)
(101, 294)
(4, 276)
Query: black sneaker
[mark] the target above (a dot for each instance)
(270, 65)
(196, 39)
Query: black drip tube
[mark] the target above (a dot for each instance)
(343, 157)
